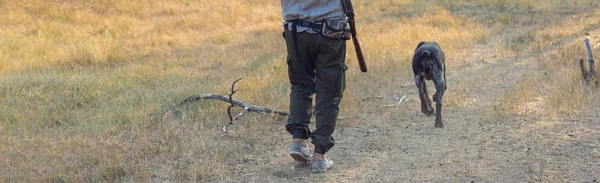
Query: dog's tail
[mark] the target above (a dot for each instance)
(426, 53)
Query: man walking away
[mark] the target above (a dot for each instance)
(315, 35)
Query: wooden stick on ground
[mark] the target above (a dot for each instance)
(231, 118)
(246, 107)
(233, 103)
(590, 57)
(396, 104)
(251, 108)
(588, 76)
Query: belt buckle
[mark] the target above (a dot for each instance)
(317, 25)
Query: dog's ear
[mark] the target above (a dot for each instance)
(419, 45)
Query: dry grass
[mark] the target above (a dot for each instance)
(88, 89)
(553, 85)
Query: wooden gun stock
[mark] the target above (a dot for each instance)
(359, 54)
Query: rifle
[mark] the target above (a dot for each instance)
(349, 9)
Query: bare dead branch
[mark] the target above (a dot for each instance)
(588, 76)
(396, 104)
(234, 118)
(246, 107)
(231, 118)
(233, 102)
(398, 98)
(372, 97)
(251, 108)
(590, 56)
(351, 117)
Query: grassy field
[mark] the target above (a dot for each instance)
(89, 90)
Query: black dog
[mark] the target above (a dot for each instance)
(429, 64)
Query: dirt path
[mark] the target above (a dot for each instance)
(399, 144)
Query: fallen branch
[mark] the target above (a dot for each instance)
(590, 57)
(234, 118)
(343, 118)
(372, 97)
(246, 107)
(251, 108)
(233, 103)
(231, 118)
(588, 76)
(396, 104)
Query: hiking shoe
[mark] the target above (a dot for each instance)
(320, 166)
(300, 153)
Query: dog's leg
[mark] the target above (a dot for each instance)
(440, 87)
(425, 102)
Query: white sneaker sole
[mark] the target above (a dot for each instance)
(299, 157)
(322, 171)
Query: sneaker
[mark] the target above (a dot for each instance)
(300, 153)
(320, 166)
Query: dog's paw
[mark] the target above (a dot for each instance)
(428, 111)
(439, 123)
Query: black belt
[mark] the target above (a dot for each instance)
(313, 25)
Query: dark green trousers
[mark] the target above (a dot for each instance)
(320, 63)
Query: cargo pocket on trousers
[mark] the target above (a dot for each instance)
(291, 75)
(342, 85)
